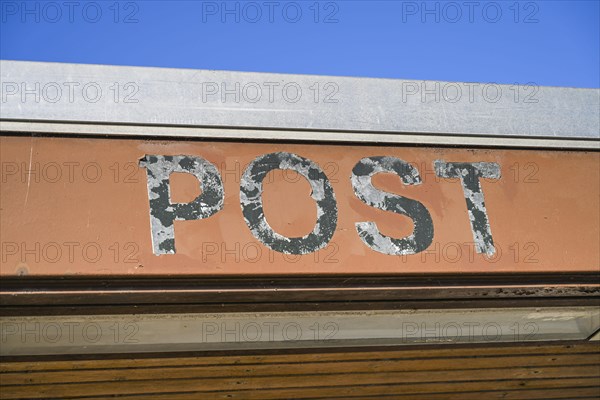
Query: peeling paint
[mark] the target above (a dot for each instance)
(422, 235)
(251, 189)
(162, 212)
(469, 174)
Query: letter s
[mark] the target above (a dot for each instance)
(368, 232)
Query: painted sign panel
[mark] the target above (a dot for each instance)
(122, 206)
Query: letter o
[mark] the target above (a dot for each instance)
(251, 189)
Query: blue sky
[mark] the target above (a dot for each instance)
(555, 43)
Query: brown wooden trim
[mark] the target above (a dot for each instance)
(19, 291)
(308, 354)
(540, 371)
(174, 308)
(571, 366)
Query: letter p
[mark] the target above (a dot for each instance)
(163, 213)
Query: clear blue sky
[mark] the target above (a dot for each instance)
(554, 43)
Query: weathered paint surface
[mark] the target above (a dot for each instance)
(422, 235)
(116, 206)
(251, 190)
(162, 212)
(469, 174)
